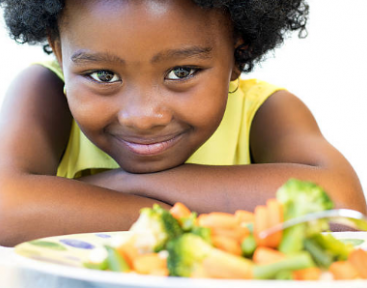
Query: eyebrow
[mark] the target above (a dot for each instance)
(191, 52)
(83, 57)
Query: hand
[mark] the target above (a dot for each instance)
(111, 179)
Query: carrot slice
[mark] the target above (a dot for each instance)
(238, 233)
(149, 264)
(358, 259)
(343, 270)
(265, 255)
(234, 267)
(244, 216)
(261, 223)
(227, 244)
(160, 272)
(218, 219)
(129, 252)
(199, 272)
(275, 217)
(179, 210)
(312, 273)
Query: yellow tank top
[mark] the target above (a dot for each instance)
(229, 145)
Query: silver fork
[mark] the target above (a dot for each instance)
(347, 217)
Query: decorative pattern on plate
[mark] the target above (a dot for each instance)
(77, 243)
(48, 245)
(70, 250)
(103, 235)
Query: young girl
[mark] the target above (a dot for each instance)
(144, 105)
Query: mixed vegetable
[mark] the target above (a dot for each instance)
(178, 242)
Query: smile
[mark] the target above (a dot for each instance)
(149, 148)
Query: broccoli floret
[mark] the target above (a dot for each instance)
(203, 232)
(189, 225)
(155, 226)
(300, 198)
(187, 253)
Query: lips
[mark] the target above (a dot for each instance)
(149, 147)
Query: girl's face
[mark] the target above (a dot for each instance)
(146, 80)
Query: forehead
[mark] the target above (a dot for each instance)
(142, 19)
(148, 9)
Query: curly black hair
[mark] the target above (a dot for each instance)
(262, 24)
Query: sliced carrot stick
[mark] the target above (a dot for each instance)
(227, 244)
(160, 272)
(275, 216)
(265, 255)
(233, 268)
(343, 270)
(261, 223)
(218, 219)
(358, 259)
(199, 272)
(149, 263)
(312, 273)
(179, 210)
(244, 216)
(129, 252)
(238, 233)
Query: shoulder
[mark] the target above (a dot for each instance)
(251, 95)
(52, 66)
(35, 119)
(283, 106)
(284, 125)
(33, 84)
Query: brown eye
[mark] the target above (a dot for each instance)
(180, 73)
(104, 76)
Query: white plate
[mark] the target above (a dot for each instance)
(64, 255)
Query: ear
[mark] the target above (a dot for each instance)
(236, 71)
(55, 45)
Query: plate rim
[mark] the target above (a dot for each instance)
(138, 280)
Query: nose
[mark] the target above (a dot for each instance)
(144, 111)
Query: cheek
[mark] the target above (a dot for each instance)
(90, 112)
(207, 107)
(213, 109)
(212, 100)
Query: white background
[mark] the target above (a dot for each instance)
(327, 70)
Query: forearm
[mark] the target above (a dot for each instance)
(38, 206)
(227, 188)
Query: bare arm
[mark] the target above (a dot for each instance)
(286, 142)
(34, 130)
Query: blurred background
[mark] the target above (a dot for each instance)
(327, 70)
